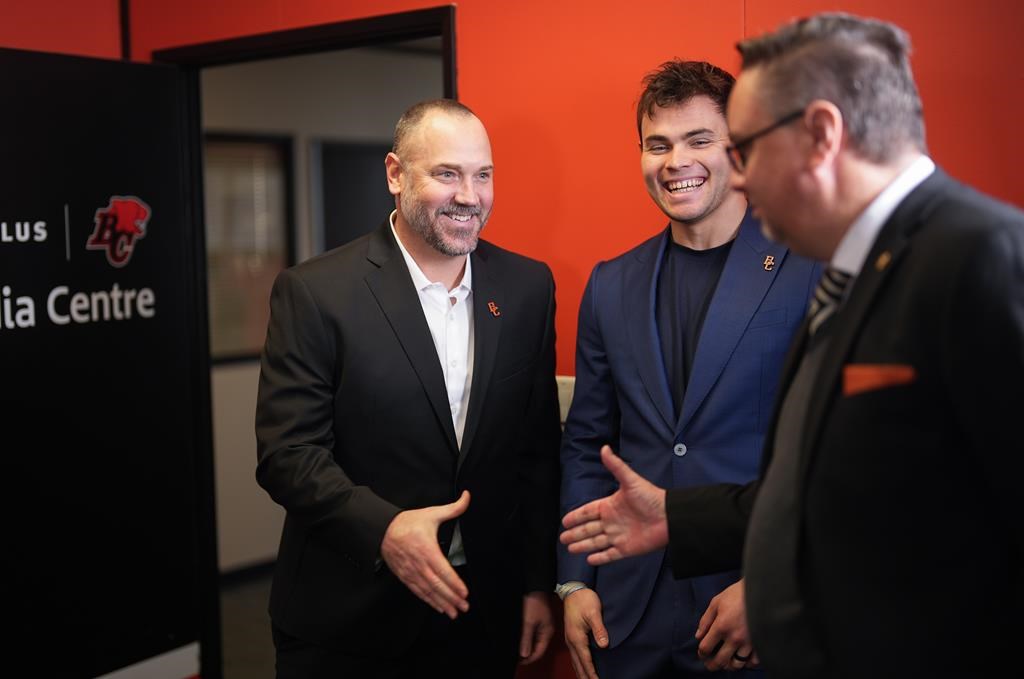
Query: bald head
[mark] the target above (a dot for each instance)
(417, 114)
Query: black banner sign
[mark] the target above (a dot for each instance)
(103, 394)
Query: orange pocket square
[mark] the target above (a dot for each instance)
(861, 377)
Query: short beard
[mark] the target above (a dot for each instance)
(425, 225)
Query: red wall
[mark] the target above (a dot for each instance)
(556, 83)
(967, 60)
(84, 27)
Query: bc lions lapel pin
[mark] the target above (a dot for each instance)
(883, 261)
(493, 308)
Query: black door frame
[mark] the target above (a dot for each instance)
(191, 59)
(423, 23)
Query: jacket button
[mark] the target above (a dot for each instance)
(679, 449)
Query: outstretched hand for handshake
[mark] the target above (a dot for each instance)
(411, 551)
(629, 522)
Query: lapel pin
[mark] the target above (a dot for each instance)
(493, 308)
(769, 262)
(883, 260)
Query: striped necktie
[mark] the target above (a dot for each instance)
(827, 296)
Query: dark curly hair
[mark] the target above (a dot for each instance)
(678, 81)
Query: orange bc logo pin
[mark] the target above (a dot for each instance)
(493, 308)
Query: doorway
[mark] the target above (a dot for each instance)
(294, 126)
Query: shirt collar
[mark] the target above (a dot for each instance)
(856, 243)
(419, 279)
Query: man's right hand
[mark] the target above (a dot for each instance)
(582, 619)
(411, 551)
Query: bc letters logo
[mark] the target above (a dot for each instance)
(118, 226)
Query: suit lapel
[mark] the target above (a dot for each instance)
(486, 337)
(392, 287)
(639, 296)
(894, 239)
(741, 288)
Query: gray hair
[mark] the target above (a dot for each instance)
(415, 115)
(860, 65)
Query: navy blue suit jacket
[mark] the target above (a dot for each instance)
(622, 395)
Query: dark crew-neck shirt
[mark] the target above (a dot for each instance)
(686, 282)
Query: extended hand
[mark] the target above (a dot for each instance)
(411, 551)
(724, 639)
(583, 618)
(538, 627)
(629, 522)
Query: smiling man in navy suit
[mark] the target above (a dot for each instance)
(679, 348)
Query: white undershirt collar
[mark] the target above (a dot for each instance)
(856, 243)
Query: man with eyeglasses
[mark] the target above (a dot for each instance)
(886, 538)
(680, 345)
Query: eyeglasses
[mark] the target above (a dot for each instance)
(739, 151)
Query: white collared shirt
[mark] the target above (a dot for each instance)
(449, 315)
(856, 243)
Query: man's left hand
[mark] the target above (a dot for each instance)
(629, 522)
(538, 626)
(724, 638)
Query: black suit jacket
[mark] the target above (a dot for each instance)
(353, 426)
(912, 533)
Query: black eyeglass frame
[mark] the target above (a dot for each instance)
(739, 150)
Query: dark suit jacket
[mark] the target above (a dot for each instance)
(912, 532)
(622, 397)
(353, 426)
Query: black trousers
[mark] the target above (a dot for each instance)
(454, 649)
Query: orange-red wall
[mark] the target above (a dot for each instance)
(84, 27)
(556, 81)
(968, 59)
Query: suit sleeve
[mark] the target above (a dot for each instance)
(294, 429)
(593, 421)
(539, 471)
(707, 526)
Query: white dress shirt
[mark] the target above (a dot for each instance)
(449, 315)
(855, 245)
